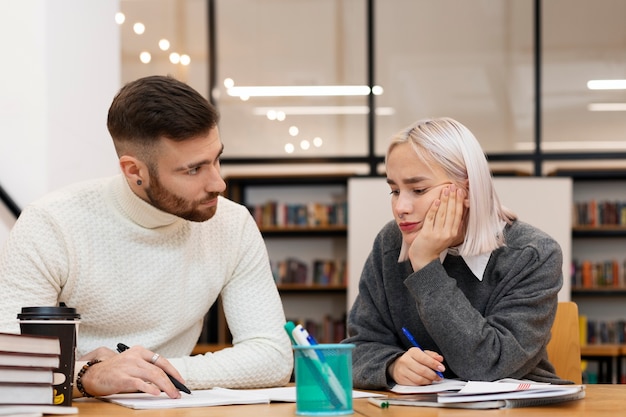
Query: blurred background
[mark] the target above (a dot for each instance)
(517, 73)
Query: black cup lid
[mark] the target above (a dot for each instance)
(48, 313)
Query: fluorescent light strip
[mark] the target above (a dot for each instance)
(606, 84)
(322, 110)
(606, 107)
(303, 91)
(572, 145)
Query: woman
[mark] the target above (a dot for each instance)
(476, 287)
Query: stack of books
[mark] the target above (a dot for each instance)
(27, 364)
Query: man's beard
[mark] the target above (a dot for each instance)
(165, 200)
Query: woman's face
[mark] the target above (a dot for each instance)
(414, 187)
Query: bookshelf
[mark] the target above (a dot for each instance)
(303, 220)
(599, 254)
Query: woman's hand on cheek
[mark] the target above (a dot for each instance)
(442, 227)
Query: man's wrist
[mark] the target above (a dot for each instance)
(81, 373)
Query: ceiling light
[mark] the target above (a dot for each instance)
(606, 107)
(573, 145)
(322, 110)
(606, 84)
(302, 91)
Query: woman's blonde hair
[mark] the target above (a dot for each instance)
(450, 145)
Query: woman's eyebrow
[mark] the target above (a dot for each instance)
(411, 180)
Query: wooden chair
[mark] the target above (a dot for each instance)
(564, 345)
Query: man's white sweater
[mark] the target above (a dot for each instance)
(140, 276)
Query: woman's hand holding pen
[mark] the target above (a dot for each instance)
(130, 371)
(442, 227)
(416, 367)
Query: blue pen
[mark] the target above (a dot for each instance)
(417, 345)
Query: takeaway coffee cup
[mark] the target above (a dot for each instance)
(61, 322)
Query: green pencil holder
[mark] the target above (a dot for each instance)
(323, 379)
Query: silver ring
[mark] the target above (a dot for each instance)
(155, 358)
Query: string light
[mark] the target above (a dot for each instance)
(120, 18)
(139, 28)
(164, 44)
(145, 57)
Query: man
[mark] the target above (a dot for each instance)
(142, 256)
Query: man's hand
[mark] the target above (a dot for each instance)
(416, 367)
(130, 371)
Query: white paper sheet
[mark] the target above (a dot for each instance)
(198, 398)
(213, 397)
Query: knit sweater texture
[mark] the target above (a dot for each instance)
(486, 330)
(141, 276)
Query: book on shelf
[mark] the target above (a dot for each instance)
(588, 274)
(328, 330)
(312, 214)
(594, 213)
(290, 271)
(329, 272)
(603, 332)
(323, 272)
(582, 329)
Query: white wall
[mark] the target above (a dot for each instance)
(61, 69)
(543, 202)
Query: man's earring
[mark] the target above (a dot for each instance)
(139, 182)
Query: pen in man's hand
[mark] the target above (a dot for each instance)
(121, 347)
(409, 336)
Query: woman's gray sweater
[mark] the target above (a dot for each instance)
(486, 330)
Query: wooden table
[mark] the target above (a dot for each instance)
(601, 400)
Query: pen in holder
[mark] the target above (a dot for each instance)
(323, 379)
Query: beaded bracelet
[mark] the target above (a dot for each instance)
(79, 381)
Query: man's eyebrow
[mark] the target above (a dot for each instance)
(193, 165)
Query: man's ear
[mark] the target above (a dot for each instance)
(135, 171)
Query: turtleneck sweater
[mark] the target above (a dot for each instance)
(142, 276)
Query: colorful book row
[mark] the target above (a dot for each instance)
(322, 272)
(600, 213)
(277, 214)
(601, 274)
(329, 330)
(594, 332)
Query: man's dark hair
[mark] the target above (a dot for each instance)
(157, 106)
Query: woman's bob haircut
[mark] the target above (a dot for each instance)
(449, 144)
